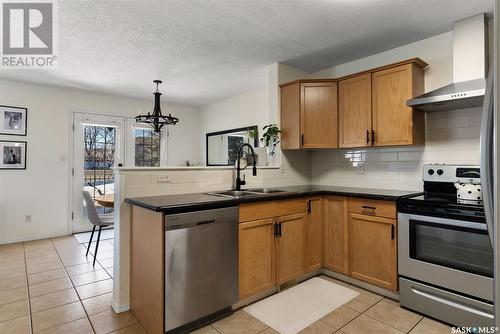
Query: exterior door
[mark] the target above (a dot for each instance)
(98, 147)
(290, 247)
(372, 250)
(355, 111)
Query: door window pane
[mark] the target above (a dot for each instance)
(147, 148)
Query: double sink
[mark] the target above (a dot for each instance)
(246, 193)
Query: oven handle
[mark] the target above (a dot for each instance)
(443, 221)
(452, 303)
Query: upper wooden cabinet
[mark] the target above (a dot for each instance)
(309, 114)
(369, 109)
(355, 111)
(393, 122)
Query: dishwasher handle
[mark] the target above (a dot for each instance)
(191, 225)
(201, 218)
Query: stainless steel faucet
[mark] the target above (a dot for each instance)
(239, 181)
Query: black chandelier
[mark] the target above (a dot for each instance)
(157, 120)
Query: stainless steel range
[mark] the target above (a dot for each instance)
(445, 257)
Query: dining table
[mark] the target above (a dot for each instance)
(106, 200)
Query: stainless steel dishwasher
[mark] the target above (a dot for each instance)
(201, 267)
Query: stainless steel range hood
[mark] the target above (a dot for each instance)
(469, 68)
(459, 95)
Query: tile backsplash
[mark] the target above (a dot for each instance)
(451, 137)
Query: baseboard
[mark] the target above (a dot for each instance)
(13, 241)
(361, 284)
(119, 308)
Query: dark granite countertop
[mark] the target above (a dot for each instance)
(170, 204)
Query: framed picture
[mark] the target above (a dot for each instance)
(12, 154)
(13, 120)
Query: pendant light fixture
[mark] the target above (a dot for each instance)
(157, 120)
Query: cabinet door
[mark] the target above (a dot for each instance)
(256, 257)
(372, 250)
(355, 111)
(335, 233)
(290, 247)
(318, 115)
(290, 116)
(392, 120)
(314, 234)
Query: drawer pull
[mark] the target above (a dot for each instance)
(367, 207)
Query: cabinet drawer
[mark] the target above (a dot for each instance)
(271, 209)
(372, 207)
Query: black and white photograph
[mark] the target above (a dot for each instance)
(13, 155)
(13, 120)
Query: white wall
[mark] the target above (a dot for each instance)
(436, 51)
(247, 109)
(42, 189)
(451, 137)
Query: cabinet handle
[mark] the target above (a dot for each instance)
(279, 230)
(368, 136)
(275, 230)
(373, 137)
(302, 139)
(392, 232)
(367, 207)
(309, 206)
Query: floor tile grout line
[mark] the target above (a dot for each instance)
(30, 320)
(387, 323)
(77, 294)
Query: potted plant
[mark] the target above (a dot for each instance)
(271, 138)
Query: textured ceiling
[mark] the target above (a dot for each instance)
(207, 50)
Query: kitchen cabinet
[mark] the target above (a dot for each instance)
(393, 122)
(335, 234)
(309, 114)
(314, 234)
(290, 247)
(256, 257)
(360, 110)
(355, 111)
(272, 244)
(372, 245)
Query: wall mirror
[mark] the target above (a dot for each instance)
(222, 146)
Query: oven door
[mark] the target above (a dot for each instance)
(452, 254)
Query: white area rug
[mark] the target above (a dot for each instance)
(85, 236)
(294, 309)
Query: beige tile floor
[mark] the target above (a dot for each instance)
(368, 313)
(49, 286)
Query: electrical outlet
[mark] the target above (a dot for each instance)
(27, 218)
(163, 178)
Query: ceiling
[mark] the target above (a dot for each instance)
(207, 50)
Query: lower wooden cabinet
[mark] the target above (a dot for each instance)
(282, 240)
(335, 234)
(314, 234)
(256, 257)
(290, 249)
(372, 250)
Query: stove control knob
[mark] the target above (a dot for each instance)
(430, 171)
(440, 172)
